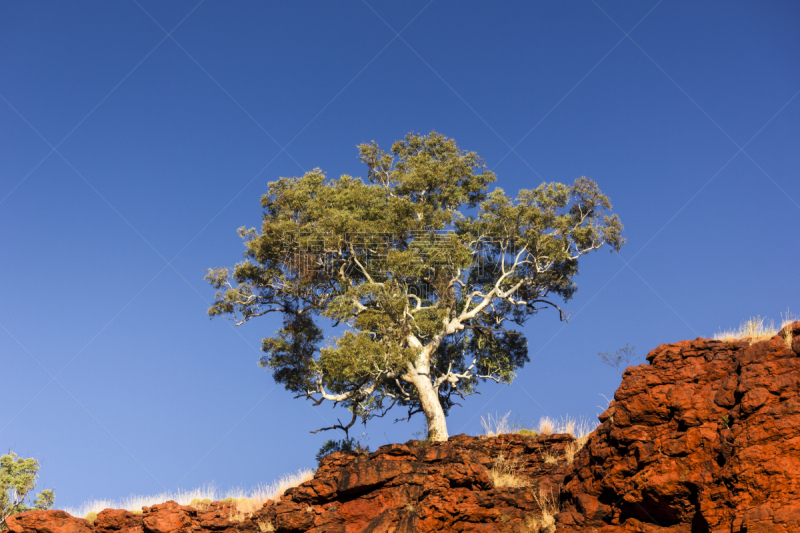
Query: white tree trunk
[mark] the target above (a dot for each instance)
(421, 378)
(434, 414)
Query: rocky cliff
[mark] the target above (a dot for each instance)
(704, 438)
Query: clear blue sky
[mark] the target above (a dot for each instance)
(128, 158)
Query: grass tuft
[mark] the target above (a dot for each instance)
(265, 527)
(245, 502)
(494, 425)
(505, 473)
(754, 330)
(545, 521)
(546, 425)
(788, 337)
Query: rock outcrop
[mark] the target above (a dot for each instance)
(706, 438)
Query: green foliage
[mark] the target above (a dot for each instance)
(431, 297)
(17, 479)
(91, 517)
(344, 445)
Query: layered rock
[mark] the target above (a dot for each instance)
(704, 438)
(438, 487)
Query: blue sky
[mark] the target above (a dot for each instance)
(136, 138)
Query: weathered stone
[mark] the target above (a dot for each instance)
(47, 522)
(706, 438)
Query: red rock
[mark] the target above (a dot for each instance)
(167, 517)
(47, 522)
(706, 438)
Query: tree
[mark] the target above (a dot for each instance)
(426, 269)
(17, 479)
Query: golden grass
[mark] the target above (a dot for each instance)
(754, 330)
(244, 508)
(91, 517)
(244, 500)
(788, 337)
(265, 526)
(505, 473)
(494, 425)
(549, 458)
(569, 452)
(579, 428)
(545, 521)
(546, 425)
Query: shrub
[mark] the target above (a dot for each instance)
(17, 479)
(344, 445)
(621, 360)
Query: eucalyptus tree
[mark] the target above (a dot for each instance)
(422, 271)
(17, 480)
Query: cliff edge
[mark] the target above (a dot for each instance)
(705, 438)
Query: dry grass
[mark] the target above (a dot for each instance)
(245, 500)
(570, 451)
(244, 508)
(494, 425)
(545, 521)
(754, 330)
(546, 425)
(579, 428)
(265, 526)
(549, 458)
(787, 335)
(505, 473)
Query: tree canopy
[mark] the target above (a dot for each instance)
(423, 271)
(17, 479)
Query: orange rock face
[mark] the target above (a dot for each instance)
(706, 438)
(47, 522)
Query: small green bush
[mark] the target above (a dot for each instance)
(344, 445)
(17, 479)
